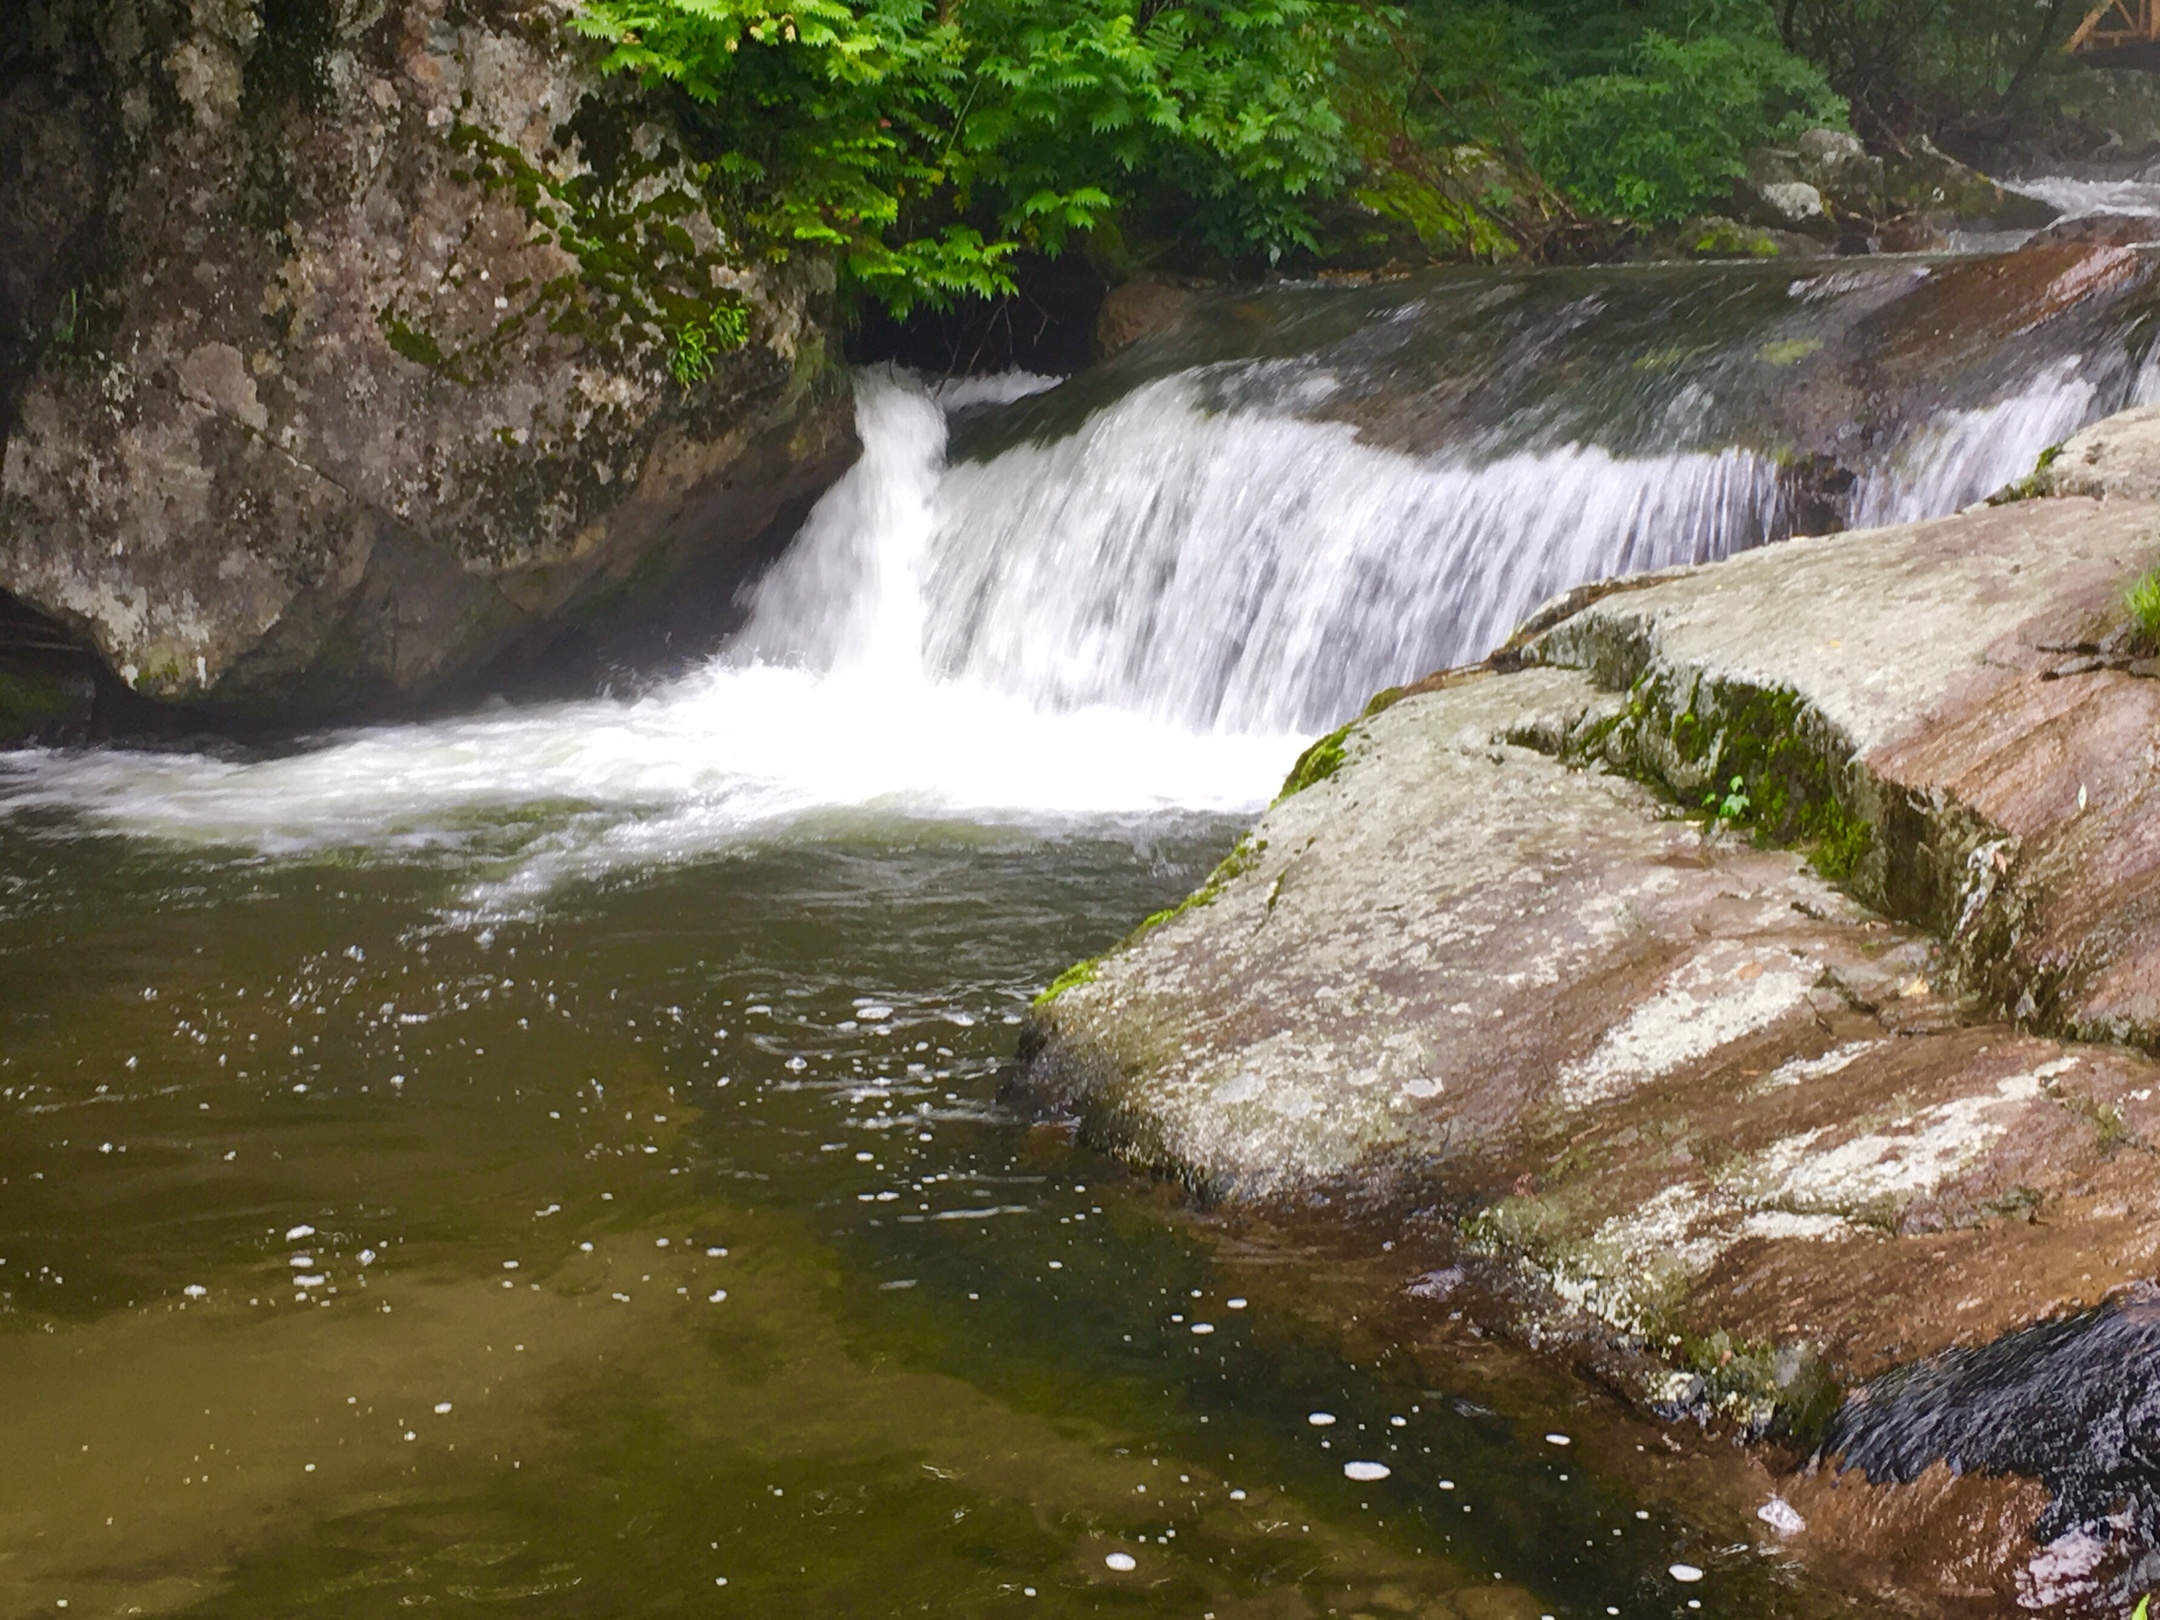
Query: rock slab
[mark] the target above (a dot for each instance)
(1749, 975)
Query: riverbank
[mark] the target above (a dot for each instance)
(1748, 976)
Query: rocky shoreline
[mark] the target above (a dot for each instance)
(1751, 974)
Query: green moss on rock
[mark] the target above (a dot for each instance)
(1239, 861)
(1319, 762)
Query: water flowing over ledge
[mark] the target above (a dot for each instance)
(1136, 591)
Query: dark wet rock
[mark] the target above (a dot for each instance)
(2108, 229)
(2073, 1404)
(1828, 185)
(1143, 307)
(342, 342)
(1926, 181)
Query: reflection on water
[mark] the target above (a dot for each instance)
(354, 1263)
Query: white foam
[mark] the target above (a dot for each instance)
(828, 706)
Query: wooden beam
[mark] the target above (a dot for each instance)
(2115, 23)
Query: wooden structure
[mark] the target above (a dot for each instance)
(2116, 24)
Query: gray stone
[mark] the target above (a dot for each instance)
(348, 337)
(2117, 457)
(1764, 1088)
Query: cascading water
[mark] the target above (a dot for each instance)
(1139, 589)
(1257, 572)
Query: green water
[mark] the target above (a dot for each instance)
(656, 1270)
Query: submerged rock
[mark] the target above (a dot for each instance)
(354, 348)
(1724, 961)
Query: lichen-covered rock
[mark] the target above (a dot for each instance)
(2117, 456)
(1827, 184)
(343, 337)
(1577, 949)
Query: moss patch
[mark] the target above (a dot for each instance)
(1239, 861)
(1319, 762)
(1787, 791)
(2033, 485)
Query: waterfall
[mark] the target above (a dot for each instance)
(1253, 571)
(1144, 589)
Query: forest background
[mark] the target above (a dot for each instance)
(932, 145)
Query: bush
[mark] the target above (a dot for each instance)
(1668, 136)
(925, 144)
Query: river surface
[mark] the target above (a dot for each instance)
(548, 1160)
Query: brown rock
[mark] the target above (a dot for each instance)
(1741, 1144)
(1140, 308)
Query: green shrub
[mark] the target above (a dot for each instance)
(2143, 601)
(925, 144)
(1666, 135)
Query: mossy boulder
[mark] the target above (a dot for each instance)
(356, 347)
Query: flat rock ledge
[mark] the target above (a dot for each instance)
(1748, 979)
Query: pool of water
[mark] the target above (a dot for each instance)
(659, 1247)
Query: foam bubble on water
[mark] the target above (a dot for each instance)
(442, 1408)
(1366, 1472)
(1781, 1516)
(1320, 1420)
(1687, 1574)
(1558, 1440)
(298, 1232)
(1123, 1563)
(1203, 1327)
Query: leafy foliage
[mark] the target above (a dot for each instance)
(2143, 602)
(1946, 68)
(925, 144)
(1668, 133)
(698, 342)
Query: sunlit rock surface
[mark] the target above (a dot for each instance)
(340, 340)
(1721, 965)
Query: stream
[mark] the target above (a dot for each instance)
(548, 1159)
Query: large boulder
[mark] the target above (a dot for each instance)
(354, 346)
(1749, 981)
